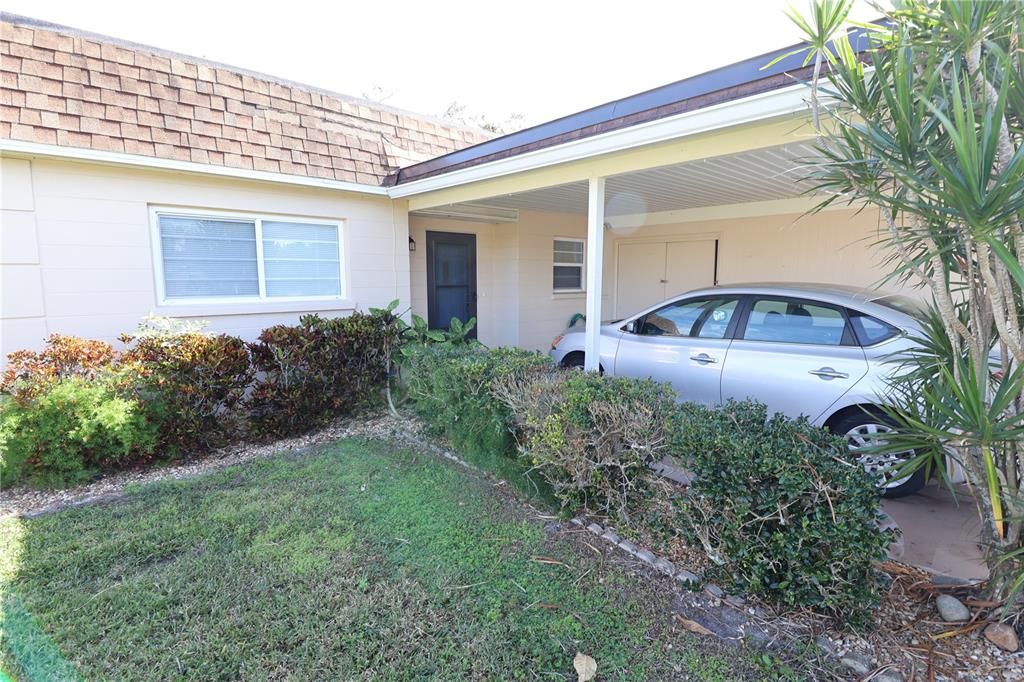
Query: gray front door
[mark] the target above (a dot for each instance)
(451, 278)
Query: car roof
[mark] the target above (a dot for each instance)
(858, 297)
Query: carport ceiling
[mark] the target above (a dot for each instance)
(758, 175)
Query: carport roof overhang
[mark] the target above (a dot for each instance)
(663, 125)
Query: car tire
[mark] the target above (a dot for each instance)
(573, 360)
(859, 427)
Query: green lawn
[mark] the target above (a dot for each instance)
(353, 562)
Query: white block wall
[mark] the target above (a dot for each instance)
(76, 253)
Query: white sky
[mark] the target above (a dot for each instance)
(540, 58)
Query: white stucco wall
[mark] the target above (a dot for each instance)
(76, 254)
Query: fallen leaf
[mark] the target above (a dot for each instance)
(695, 627)
(586, 667)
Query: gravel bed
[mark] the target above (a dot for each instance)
(23, 501)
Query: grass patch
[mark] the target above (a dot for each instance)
(357, 561)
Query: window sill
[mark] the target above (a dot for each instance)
(252, 307)
(580, 293)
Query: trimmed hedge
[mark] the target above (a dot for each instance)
(593, 438)
(65, 432)
(781, 508)
(453, 384)
(777, 504)
(192, 384)
(77, 406)
(318, 369)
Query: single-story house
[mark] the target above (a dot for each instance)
(137, 180)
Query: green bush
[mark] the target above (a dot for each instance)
(68, 430)
(593, 438)
(192, 384)
(781, 509)
(312, 372)
(451, 385)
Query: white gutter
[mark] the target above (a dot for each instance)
(767, 105)
(139, 161)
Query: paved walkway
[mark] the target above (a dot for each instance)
(940, 532)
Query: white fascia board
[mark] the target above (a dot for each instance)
(139, 161)
(767, 105)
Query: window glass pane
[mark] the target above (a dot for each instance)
(568, 252)
(568, 277)
(795, 322)
(205, 257)
(301, 259)
(708, 319)
(870, 330)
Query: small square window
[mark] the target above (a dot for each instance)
(567, 274)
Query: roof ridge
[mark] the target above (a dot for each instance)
(32, 22)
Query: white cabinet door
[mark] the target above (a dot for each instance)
(649, 272)
(689, 266)
(641, 274)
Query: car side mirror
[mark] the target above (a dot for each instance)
(632, 326)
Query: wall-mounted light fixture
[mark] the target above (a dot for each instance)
(412, 244)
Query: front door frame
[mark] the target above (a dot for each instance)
(471, 308)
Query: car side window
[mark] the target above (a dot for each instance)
(870, 330)
(795, 321)
(703, 318)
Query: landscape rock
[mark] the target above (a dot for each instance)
(857, 663)
(687, 577)
(664, 566)
(1003, 636)
(952, 609)
(645, 556)
(628, 547)
(889, 676)
(714, 590)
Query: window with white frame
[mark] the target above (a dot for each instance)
(220, 257)
(567, 274)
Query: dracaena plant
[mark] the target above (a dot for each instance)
(926, 126)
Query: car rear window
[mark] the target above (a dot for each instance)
(870, 330)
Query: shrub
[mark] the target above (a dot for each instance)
(313, 371)
(68, 429)
(452, 386)
(593, 438)
(781, 509)
(64, 356)
(192, 384)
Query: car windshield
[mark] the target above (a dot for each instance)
(904, 304)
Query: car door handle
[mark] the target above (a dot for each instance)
(703, 359)
(829, 373)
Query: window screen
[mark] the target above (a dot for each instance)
(568, 265)
(213, 257)
(301, 259)
(205, 258)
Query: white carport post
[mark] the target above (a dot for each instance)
(595, 272)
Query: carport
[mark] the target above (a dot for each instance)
(603, 212)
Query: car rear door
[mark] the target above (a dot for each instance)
(797, 356)
(685, 343)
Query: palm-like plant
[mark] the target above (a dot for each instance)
(927, 125)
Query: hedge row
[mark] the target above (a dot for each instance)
(777, 505)
(78, 407)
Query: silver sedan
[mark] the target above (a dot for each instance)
(802, 349)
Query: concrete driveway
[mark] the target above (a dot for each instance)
(940, 532)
